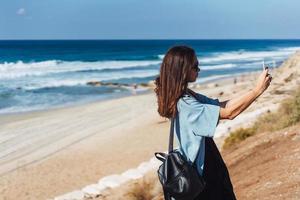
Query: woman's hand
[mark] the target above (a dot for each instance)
(263, 82)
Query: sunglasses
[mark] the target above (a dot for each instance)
(195, 67)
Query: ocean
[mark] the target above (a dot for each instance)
(43, 74)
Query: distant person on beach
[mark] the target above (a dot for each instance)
(196, 117)
(134, 88)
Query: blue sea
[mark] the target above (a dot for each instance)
(37, 75)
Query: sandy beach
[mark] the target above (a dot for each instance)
(45, 154)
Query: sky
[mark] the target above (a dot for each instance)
(149, 19)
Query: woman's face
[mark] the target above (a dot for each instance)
(193, 74)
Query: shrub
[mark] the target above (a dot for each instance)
(146, 189)
(237, 136)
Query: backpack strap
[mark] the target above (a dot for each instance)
(171, 137)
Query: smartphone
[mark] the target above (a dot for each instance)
(265, 66)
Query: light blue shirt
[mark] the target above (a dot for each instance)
(196, 119)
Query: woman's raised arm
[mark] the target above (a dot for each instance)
(232, 108)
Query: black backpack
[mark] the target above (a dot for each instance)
(180, 179)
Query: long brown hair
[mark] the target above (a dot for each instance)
(172, 81)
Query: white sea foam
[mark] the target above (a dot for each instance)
(222, 66)
(12, 70)
(20, 109)
(292, 49)
(83, 80)
(246, 55)
(161, 56)
(249, 55)
(56, 83)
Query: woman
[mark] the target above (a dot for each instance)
(196, 117)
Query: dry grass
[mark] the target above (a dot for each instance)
(146, 189)
(289, 78)
(237, 136)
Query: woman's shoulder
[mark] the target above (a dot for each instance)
(192, 95)
(188, 99)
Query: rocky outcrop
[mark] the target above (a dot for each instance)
(149, 85)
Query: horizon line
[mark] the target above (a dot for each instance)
(61, 39)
